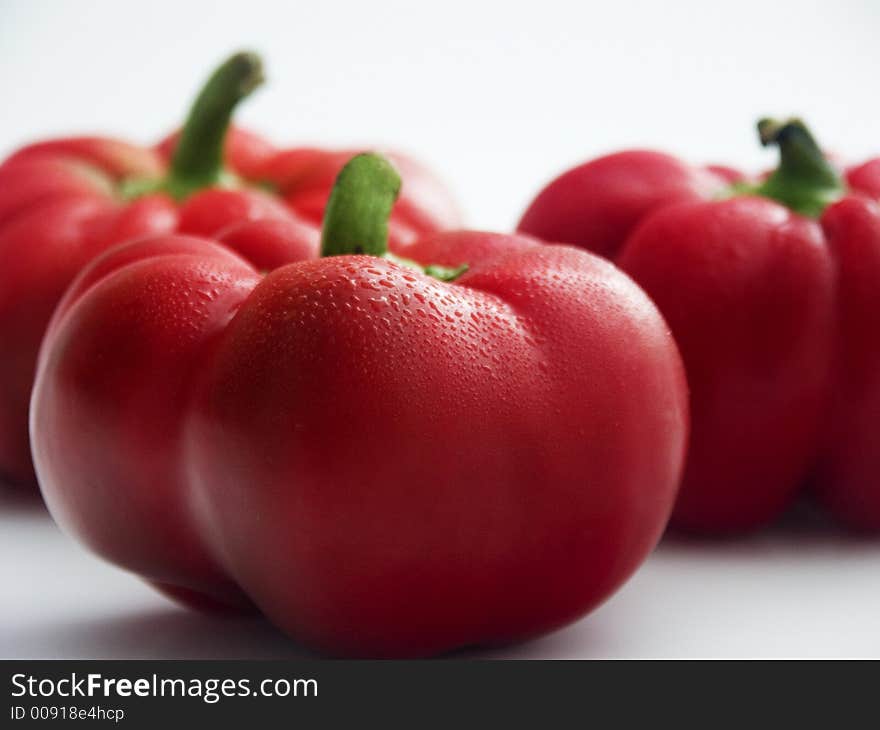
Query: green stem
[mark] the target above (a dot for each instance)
(804, 179)
(356, 216)
(198, 158)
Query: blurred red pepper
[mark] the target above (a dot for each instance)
(64, 201)
(847, 480)
(745, 276)
(384, 462)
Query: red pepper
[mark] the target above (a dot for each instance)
(64, 201)
(745, 276)
(847, 481)
(384, 462)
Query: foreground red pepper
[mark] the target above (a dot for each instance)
(746, 278)
(65, 201)
(385, 463)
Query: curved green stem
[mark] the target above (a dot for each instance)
(804, 180)
(198, 158)
(356, 216)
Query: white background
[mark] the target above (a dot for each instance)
(497, 97)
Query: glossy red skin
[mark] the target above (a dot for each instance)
(56, 214)
(848, 476)
(385, 464)
(268, 244)
(747, 288)
(865, 178)
(598, 204)
(60, 207)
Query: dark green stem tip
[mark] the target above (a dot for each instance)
(804, 180)
(772, 131)
(247, 68)
(198, 158)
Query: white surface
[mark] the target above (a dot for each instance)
(497, 96)
(799, 590)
